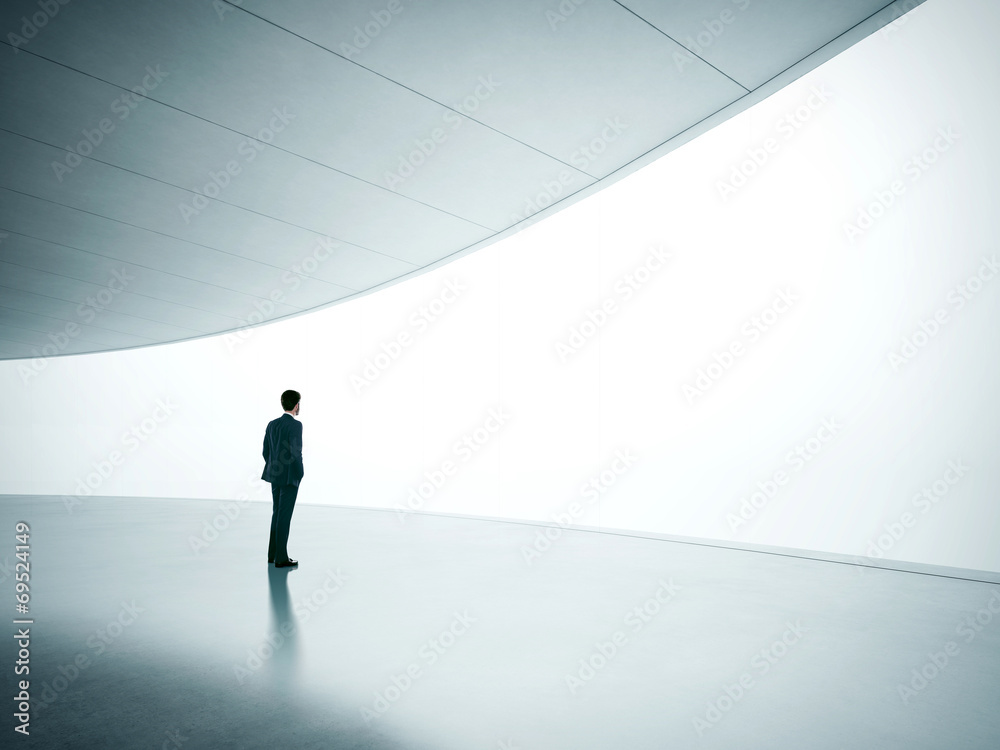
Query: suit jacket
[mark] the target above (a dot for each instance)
(283, 451)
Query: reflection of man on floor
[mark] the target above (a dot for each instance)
(283, 469)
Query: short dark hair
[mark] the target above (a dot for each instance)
(289, 399)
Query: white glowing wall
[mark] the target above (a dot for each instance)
(901, 126)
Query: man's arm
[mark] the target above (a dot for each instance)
(296, 441)
(267, 447)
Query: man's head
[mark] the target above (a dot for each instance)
(290, 401)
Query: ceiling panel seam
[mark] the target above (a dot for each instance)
(829, 42)
(199, 244)
(249, 295)
(62, 320)
(407, 88)
(125, 291)
(376, 185)
(78, 337)
(720, 109)
(690, 52)
(120, 314)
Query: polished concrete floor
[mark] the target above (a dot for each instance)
(153, 629)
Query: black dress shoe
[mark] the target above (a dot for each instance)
(289, 564)
(270, 561)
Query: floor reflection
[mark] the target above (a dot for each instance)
(282, 634)
(217, 661)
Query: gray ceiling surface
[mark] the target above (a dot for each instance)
(183, 168)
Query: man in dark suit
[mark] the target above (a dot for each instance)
(283, 469)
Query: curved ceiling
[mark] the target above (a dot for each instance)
(179, 169)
